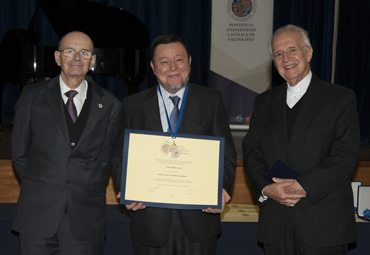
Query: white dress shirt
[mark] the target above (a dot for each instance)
(79, 98)
(168, 105)
(294, 94)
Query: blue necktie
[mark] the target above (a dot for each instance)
(71, 105)
(174, 114)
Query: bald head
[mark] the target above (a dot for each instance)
(74, 67)
(76, 36)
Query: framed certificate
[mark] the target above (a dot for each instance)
(363, 197)
(152, 175)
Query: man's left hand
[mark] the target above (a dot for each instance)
(225, 199)
(294, 189)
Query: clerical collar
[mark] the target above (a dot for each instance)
(302, 85)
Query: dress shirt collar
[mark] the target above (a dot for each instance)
(167, 105)
(166, 94)
(81, 89)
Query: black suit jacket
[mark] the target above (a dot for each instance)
(55, 175)
(204, 114)
(323, 147)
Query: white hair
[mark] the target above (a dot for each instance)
(289, 27)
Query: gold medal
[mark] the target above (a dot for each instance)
(173, 151)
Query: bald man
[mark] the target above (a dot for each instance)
(61, 143)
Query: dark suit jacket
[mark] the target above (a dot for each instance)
(204, 114)
(55, 175)
(324, 147)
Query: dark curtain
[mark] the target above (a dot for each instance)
(317, 18)
(190, 19)
(353, 55)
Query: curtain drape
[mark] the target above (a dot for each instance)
(353, 57)
(189, 19)
(317, 18)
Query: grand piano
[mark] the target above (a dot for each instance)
(120, 41)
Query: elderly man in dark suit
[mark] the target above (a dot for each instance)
(166, 231)
(62, 137)
(313, 126)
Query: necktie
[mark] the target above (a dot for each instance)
(175, 113)
(71, 105)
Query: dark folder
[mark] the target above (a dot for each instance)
(280, 169)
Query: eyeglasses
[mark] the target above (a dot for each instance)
(70, 53)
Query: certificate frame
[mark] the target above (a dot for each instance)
(133, 144)
(363, 201)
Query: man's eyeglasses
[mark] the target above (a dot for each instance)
(70, 53)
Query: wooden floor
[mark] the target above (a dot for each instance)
(5, 133)
(241, 192)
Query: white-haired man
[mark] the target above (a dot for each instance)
(313, 126)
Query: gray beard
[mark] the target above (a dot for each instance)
(174, 89)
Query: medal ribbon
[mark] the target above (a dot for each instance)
(180, 114)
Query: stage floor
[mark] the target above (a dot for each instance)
(239, 232)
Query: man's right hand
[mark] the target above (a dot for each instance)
(277, 191)
(133, 206)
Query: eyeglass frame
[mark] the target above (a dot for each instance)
(79, 53)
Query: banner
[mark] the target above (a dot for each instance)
(240, 61)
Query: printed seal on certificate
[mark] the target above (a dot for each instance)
(173, 152)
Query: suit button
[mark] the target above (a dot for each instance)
(70, 160)
(73, 144)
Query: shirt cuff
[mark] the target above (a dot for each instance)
(262, 198)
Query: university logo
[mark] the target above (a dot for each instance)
(165, 147)
(241, 10)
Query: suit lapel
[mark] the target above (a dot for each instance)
(191, 107)
(96, 108)
(56, 104)
(151, 110)
(279, 114)
(311, 102)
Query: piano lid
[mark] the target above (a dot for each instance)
(108, 27)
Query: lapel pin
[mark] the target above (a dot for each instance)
(100, 106)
